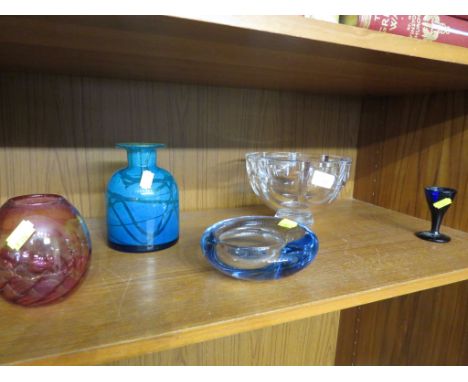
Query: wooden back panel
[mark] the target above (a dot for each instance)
(425, 328)
(57, 134)
(406, 143)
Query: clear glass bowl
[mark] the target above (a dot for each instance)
(291, 182)
(257, 248)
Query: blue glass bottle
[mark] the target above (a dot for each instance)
(142, 203)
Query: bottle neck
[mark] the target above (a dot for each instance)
(141, 158)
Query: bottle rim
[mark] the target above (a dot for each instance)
(140, 145)
(35, 200)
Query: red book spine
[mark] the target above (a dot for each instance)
(445, 29)
(463, 17)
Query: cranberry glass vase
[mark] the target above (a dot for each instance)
(44, 249)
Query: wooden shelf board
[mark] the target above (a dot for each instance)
(131, 304)
(275, 52)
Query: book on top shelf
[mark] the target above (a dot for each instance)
(444, 29)
(463, 17)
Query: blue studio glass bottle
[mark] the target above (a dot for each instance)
(142, 203)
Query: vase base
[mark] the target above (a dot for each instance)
(432, 236)
(141, 248)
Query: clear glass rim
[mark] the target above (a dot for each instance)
(224, 226)
(35, 200)
(239, 219)
(306, 158)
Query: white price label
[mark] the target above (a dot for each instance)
(20, 235)
(146, 180)
(322, 179)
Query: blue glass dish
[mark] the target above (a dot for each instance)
(257, 248)
(142, 203)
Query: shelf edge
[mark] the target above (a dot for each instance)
(184, 337)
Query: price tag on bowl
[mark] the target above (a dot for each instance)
(323, 179)
(20, 235)
(442, 203)
(286, 223)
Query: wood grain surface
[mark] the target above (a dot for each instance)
(131, 304)
(408, 143)
(311, 341)
(426, 328)
(279, 52)
(405, 144)
(57, 134)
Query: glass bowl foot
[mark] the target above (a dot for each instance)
(302, 216)
(435, 237)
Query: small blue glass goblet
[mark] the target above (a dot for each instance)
(439, 200)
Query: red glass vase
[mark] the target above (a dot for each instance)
(44, 249)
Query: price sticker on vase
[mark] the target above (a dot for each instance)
(442, 203)
(146, 180)
(286, 223)
(20, 235)
(323, 179)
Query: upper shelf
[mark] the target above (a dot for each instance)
(131, 304)
(274, 52)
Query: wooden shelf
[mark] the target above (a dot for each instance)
(275, 52)
(130, 304)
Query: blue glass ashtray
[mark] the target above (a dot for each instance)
(259, 247)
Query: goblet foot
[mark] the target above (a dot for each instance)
(436, 237)
(302, 216)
